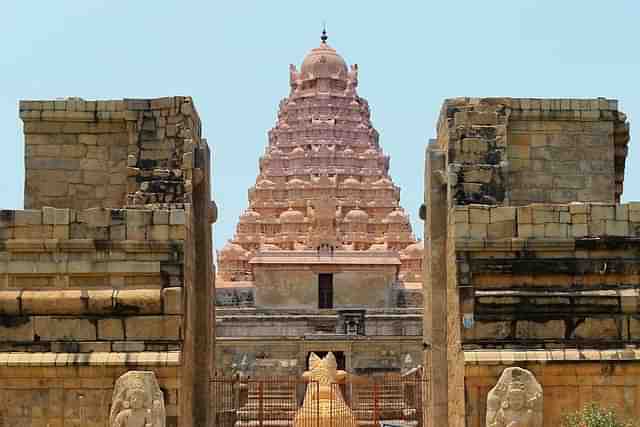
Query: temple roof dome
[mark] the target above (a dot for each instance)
(396, 216)
(291, 215)
(249, 216)
(415, 250)
(233, 250)
(265, 183)
(383, 182)
(351, 182)
(356, 215)
(297, 182)
(323, 61)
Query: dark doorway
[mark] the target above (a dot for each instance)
(325, 290)
(339, 355)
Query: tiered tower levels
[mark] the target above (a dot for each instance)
(323, 151)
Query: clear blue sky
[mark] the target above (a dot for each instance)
(232, 57)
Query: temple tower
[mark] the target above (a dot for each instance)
(324, 249)
(324, 182)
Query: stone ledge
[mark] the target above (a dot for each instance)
(49, 229)
(538, 104)
(16, 359)
(539, 225)
(494, 357)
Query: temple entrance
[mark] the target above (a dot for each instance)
(325, 290)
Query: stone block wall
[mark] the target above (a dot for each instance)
(569, 378)
(244, 322)
(515, 151)
(106, 270)
(62, 389)
(243, 294)
(549, 275)
(543, 259)
(86, 154)
(95, 280)
(287, 356)
(547, 221)
(357, 284)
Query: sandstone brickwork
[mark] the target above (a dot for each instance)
(87, 154)
(550, 273)
(545, 253)
(97, 273)
(59, 389)
(515, 151)
(570, 379)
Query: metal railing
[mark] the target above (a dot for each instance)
(389, 399)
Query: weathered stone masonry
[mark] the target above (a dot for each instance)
(96, 273)
(87, 154)
(545, 256)
(517, 151)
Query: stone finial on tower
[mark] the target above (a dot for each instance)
(324, 35)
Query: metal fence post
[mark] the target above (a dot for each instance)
(375, 403)
(260, 404)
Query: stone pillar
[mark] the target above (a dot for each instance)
(443, 358)
(198, 364)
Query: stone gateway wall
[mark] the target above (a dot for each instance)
(65, 389)
(546, 274)
(569, 379)
(546, 258)
(94, 279)
(520, 150)
(86, 154)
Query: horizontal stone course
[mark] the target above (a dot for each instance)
(93, 223)
(86, 302)
(547, 221)
(24, 359)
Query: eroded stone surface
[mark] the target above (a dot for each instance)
(137, 401)
(516, 400)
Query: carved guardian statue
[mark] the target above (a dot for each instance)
(515, 401)
(137, 401)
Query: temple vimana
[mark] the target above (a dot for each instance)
(519, 303)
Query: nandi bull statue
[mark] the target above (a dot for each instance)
(323, 404)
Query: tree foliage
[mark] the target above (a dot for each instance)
(592, 415)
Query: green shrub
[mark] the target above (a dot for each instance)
(592, 415)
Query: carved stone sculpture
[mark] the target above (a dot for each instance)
(137, 401)
(324, 223)
(515, 401)
(323, 404)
